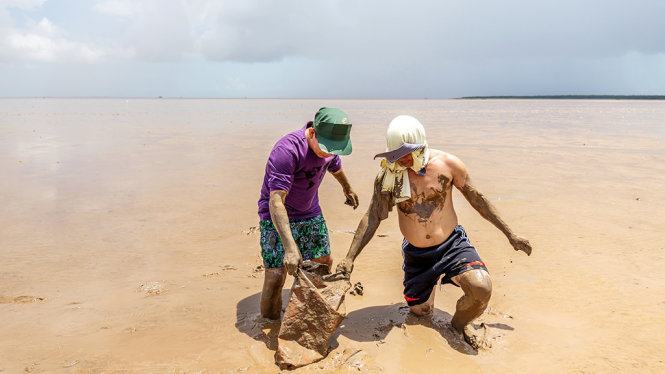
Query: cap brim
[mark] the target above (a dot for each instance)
(335, 147)
(400, 152)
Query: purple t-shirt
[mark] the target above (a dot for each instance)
(293, 167)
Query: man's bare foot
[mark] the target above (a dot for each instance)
(422, 310)
(476, 337)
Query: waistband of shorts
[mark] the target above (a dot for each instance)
(406, 246)
(295, 220)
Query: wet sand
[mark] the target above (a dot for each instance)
(126, 241)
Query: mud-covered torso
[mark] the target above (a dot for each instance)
(428, 217)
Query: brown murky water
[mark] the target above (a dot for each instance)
(126, 241)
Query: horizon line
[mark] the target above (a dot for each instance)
(475, 97)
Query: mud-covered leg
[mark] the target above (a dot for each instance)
(477, 287)
(425, 308)
(271, 296)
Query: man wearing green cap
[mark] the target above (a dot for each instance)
(292, 227)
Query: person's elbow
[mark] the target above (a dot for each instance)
(277, 198)
(374, 217)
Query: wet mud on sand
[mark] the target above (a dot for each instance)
(128, 237)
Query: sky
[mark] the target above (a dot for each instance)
(330, 48)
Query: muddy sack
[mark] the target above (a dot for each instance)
(315, 310)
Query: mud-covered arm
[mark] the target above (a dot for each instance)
(482, 205)
(378, 210)
(351, 197)
(280, 220)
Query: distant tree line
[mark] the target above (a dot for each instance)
(569, 97)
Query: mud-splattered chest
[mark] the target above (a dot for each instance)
(428, 195)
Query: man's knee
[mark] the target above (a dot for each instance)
(477, 285)
(482, 293)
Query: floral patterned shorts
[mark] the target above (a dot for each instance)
(311, 236)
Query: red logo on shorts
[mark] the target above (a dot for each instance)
(410, 298)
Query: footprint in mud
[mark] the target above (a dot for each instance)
(258, 269)
(476, 335)
(152, 288)
(214, 274)
(251, 230)
(259, 328)
(222, 268)
(23, 299)
(351, 232)
(350, 358)
(358, 289)
(482, 333)
(493, 312)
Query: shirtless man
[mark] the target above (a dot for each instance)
(419, 181)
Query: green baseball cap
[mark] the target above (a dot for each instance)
(333, 131)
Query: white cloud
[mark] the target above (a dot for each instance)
(45, 48)
(44, 42)
(242, 31)
(120, 8)
(21, 4)
(154, 30)
(40, 41)
(380, 30)
(353, 48)
(44, 26)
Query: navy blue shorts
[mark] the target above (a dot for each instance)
(423, 266)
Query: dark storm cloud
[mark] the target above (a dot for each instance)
(344, 48)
